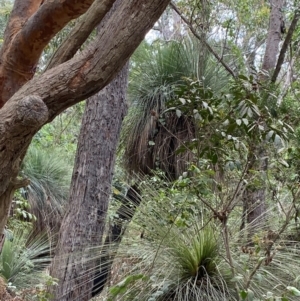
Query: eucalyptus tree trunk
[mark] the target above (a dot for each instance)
(274, 37)
(254, 198)
(83, 225)
(28, 102)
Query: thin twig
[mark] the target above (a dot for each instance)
(238, 187)
(228, 254)
(185, 20)
(270, 245)
(216, 213)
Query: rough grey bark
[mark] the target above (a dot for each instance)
(84, 222)
(274, 35)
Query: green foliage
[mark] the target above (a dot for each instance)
(150, 138)
(235, 120)
(21, 207)
(242, 265)
(24, 258)
(189, 261)
(62, 132)
(177, 264)
(49, 174)
(42, 289)
(121, 287)
(5, 9)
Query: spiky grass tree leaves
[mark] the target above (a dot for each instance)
(121, 287)
(189, 261)
(197, 273)
(178, 264)
(24, 258)
(150, 139)
(196, 253)
(49, 174)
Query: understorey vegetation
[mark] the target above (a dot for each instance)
(141, 164)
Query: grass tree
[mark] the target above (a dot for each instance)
(49, 175)
(189, 254)
(151, 135)
(24, 258)
(178, 264)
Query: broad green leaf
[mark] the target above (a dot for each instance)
(243, 295)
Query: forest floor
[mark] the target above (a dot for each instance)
(5, 295)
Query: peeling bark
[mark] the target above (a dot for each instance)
(21, 12)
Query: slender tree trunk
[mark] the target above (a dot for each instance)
(274, 35)
(254, 198)
(83, 225)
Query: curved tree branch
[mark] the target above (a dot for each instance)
(80, 32)
(71, 82)
(18, 62)
(21, 12)
(95, 67)
(17, 121)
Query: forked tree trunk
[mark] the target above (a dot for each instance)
(26, 105)
(83, 225)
